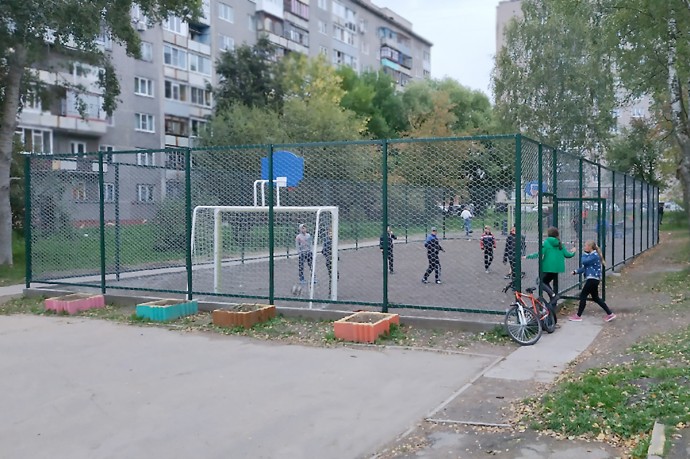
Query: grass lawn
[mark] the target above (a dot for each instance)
(15, 274)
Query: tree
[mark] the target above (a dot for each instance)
(639, 151)
(554, 79)
(31, 29)
(248, 77)
(649, 41)
(372, 95)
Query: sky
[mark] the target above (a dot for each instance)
(463, 33)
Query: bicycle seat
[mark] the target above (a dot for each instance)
(530, 290)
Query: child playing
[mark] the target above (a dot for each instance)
(592, 262)
(553, 256)
(509, 252)
(487, 243)
(433, 247)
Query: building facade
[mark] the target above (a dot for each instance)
(165, 100)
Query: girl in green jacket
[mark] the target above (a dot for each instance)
(553, 256)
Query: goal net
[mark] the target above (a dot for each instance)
(231, 247)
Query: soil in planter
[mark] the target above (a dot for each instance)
(366, 318)
(248, 307)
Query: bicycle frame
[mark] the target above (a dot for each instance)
(541, 312)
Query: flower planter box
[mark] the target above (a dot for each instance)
(364, 327)
(243, 315)
(75, 302)
(167, 309)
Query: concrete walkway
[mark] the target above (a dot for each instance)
(80, 388)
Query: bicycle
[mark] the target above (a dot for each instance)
(524, 322)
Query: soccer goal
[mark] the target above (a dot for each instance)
(231, 246)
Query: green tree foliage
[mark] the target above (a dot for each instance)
(649, 40)
(248, 77)
(554, 80)
(640, 151)
(31, 30)
(372, 95)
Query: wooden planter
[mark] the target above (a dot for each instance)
(167, 309)
(75, 302)
(364, 327)
(243, 315)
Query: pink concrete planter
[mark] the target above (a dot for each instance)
(75, 302)
(364, 327)
(243, 315)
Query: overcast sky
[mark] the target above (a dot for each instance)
(463, 33)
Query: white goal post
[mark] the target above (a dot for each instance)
(262, 211)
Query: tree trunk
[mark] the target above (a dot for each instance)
(679, 115)
(16, 63)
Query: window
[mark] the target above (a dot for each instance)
(341, 58)
(299, 9)
(637, 112)
(323, 28)
(344, 35)
(175, 91)
(31, 101)
(175, 160)
(144, 122)
(146, 51)
(143, 87)
(251, 23)
(365, 48)
(296, 34)
(107, 153)
(323, 4)
(77, 148)
(196, 127)
(176, 25)
(79, 191)
(174, 125)
(144, 193)
(175, 57)
(146, 158)
(225, 12)
(201, 97)
(226, 43)
(199, 64)
(108, 192)
(323, 50)
(174, 189)
(206, 9)
(36, 140)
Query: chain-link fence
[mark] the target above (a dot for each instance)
(414, 225)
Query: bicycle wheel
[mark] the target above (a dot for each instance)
(548, 321)
(522, 325)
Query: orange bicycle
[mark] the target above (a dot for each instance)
(528, 316)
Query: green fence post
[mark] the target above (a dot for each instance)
(579, 206)
(554, 172)
(613, 219)
(101, 217)
(27, 219)
(271, 233)
(518, 213)
(384, 224)
(188, 219)
(540, 224)
(634, 193)
(117, 222)
(602, 224)
(625, 216)
(649, 213)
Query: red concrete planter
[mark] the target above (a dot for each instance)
(364, 327)
(75, 302)
(243, 315)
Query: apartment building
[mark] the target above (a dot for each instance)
(165, 100)
(628, 111)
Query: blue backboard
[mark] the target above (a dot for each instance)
(285, 164)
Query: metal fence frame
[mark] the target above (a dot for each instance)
(532, 159)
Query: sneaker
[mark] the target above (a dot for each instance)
(391, 272)
(302, 281)
(487, 271)
(575, 318)
(438, 281)
(610, 317)
(507, 276)
(424, 281)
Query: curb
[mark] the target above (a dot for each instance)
(657, 442)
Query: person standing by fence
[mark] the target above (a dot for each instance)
(509, 252)
(433, 247)
(553, 255)
(466, 216)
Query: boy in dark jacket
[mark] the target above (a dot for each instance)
(388, 238)
(509, 252)
(433, 247)
(487, 242)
